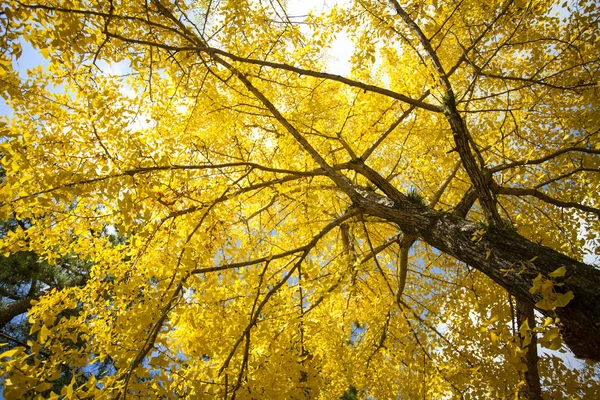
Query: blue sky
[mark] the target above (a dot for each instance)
(30, 58)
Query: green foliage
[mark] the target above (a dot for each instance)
(350, 394)
(415, 197)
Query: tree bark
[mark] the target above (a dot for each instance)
(507, 258)
(532, 389)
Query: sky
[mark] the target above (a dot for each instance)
(342, 48)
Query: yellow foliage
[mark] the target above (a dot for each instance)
(212, 165)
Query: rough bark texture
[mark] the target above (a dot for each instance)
(481, 182)
(509, 259)
(532, 389)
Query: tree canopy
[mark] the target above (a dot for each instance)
(259, 225)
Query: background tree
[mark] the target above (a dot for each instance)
(292, 232)
(24, 278)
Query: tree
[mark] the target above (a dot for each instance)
(25, 278)
(291, 232)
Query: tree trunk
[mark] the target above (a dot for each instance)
(509, 259)
(532, 389)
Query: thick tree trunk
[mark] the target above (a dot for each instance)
(532, 389)
(499, 255)
(507, 258)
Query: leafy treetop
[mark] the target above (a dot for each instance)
(288, 232)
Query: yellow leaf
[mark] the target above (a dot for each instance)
(55, 375)
(45, 52)
(43, 335)
(526, 340)
(558, 272)
(68, 391)
(555, 344)
(11, 352)
(562, 300)
(42, 387)
(524, 328)
(33, 346)
(537, 282)
(494, 338)
(544, 304)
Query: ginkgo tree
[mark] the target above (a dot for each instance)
(289, 232)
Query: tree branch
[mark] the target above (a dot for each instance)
(543, 159)
(544, 197)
